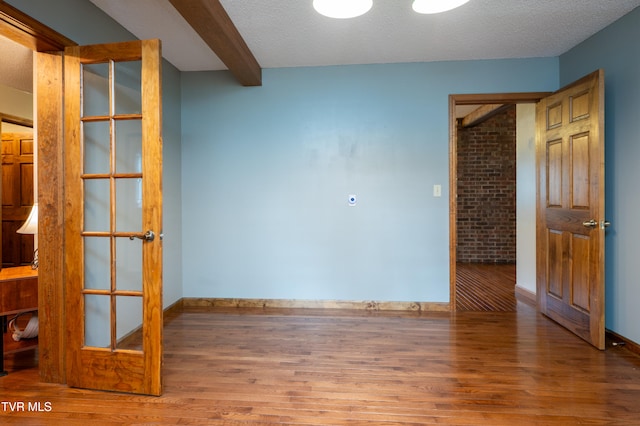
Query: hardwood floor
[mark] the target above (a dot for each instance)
(323, 367)
(485, 287)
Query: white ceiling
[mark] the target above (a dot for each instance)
(289, 33)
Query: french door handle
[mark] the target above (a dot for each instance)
(147, 236)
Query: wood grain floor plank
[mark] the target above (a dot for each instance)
(287, 366)
(485, 287)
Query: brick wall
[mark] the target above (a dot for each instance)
(487, 190)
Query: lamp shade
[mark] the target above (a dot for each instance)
(342, 9)
(436, 6)
(30, 226)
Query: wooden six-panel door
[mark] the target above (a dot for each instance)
(113, 206)
(571, 225)
(17, 198)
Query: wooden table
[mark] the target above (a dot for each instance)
(18, 294)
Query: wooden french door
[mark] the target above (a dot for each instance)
(571, 224)
(113, 206)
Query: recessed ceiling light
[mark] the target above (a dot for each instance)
(436, 6)
(342, 9)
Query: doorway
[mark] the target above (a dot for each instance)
(486, 208)
(488, 275)
(46, 45)
(50, 67)
(19, 186)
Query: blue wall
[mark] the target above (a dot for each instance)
(267, 172)
(79, 20)
(616, 50)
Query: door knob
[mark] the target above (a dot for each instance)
(593, 223)
(147, 236)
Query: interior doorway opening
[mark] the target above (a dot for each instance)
(46, 45)
(18, 191)
(492, 251)
(486, 207)
(19, 184)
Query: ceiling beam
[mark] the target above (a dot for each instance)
(212, 23)
(481, 114)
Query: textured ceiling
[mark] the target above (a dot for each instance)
(289, 33)
(16, 66)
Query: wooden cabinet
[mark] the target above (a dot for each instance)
(18, 293)
(17, 198)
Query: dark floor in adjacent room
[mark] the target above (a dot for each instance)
(486, 287)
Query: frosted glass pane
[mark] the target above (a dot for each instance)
(129, 264)
(97, 263)
(96, 147)
(95, 90)
(129, 146)
(97, 321)
(96, 205)
(128, 95)
(129, 322)
(129, 205)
